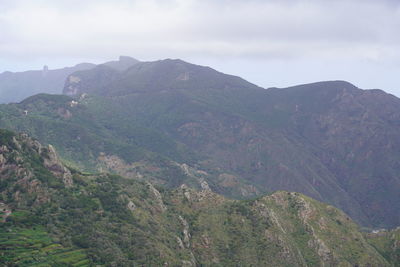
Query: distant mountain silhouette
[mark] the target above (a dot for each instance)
(15, 87)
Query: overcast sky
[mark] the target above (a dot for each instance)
(268, 42)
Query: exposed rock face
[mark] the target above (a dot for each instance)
(78, 82)
(24, 161)
(16, 86)
(299, 230)
(204, 185)
(314, 223)
(5, 211)
(113, 163)
(131, 206)
(73, 85)
(157, 197)
(54, 164)
(180, 243)
(185, 231)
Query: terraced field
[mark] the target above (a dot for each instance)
(34, 247)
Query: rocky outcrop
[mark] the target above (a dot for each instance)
(185, 231)
(20, 156)
(53, 163)
(5, 211)
(157, 196)
(72, 88)
(131, 206)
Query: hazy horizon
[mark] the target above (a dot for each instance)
(267, 43)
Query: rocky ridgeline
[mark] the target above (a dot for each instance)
(25, 165)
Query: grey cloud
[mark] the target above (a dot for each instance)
(235, 24)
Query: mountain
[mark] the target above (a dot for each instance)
(356, 136)
(387, 243)
(15, 87)
(123, 63)
(328, 140)
(90, 142)
(150, 77)
(54, 216)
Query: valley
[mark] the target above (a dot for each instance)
(175, 164)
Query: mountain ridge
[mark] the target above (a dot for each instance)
(296, 139)
(16, 86)
(149, 76)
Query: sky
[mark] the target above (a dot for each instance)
(268, 42)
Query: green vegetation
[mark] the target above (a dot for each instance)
(387, 243)
(328, 140)
(109, 220)
(34, 247)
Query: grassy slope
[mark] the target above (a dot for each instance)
(387, 243)
(98, 126)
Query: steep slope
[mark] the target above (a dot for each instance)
(268, 157)
(30, 175)
(329, 140)
(356, 136)
(91, 140)
(272, 138)
(387, 243)
(110, 220)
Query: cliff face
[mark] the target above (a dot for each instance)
(108, 219)
(16, 86)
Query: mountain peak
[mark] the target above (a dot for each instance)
(123, 63)
(156, 76)
(127, 58)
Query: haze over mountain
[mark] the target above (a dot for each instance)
(270, 43)
(257, 144)
(15, 87)
(328, 140)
